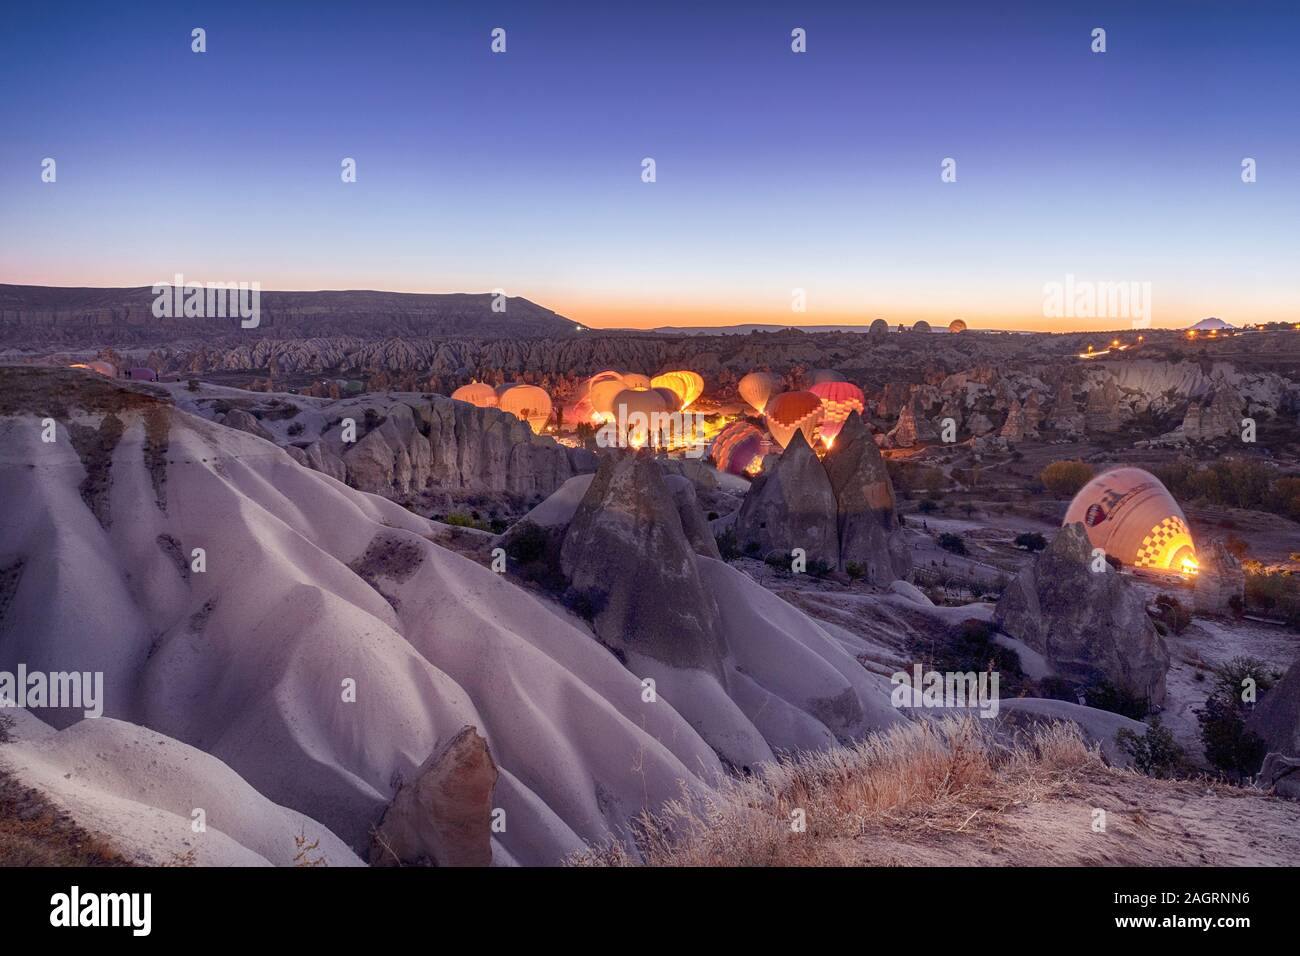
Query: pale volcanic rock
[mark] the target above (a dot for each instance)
(1088, 625)
(1013, 429)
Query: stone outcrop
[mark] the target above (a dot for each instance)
(443, 817)
(1220, 580)
(1091, 626)
(628, 558)
(1065, 417)
(1276, 719)
(1220, 417)
(866, 516)
(791, 505)
(913, 426)
(238, 418)
(1103, 412)
(694, 524)
(1281, 774)
(1014, 428)
(411, 444)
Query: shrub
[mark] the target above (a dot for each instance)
(728, 545)
(460, 519)
(1171, 612)
(1066, 477)
(585, 602)
(1104, 695)
(1155, 754)
(1229, 746)
(6, 729)
(1031, 541)
(528, 543)
(855, 571)
(952, 543)
(927, 506)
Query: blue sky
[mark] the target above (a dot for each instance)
(775, 170)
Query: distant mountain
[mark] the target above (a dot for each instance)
(1211, 324)
(50, 315)
(744, 329)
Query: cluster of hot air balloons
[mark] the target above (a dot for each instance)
(528, 403)
(821, 409)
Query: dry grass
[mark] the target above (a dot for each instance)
(33, 832)
(916, 782)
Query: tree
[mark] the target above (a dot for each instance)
(1066, 477)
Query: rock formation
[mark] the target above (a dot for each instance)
(866, 518)
(1065, 417)
(444, 816)
(411, 443)
(1103, 412)
(792, 505)
(913, 426)
(628, 558)
(1276, 719)
(1220, 581)
(238, 418)
(1090, 626)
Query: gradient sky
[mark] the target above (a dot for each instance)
(775, 170)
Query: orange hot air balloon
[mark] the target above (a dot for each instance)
(792, 412)
(957, 325)
(839, 400)
(757, 388)
(688, 385)
(528, 403)
(476, 393)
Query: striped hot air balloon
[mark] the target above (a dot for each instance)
(739, 448)
(792, 412)
(839, 400)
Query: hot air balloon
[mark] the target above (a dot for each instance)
(1131, 516)
(839, 400)
(739, 448)
(921, 326)
(688, 385)
(792, 412)
(671, 398)
(528, 403)
(957, 325)
(602, 395)
(819, 375)
(640, 414)
(757, 387)
(476, 393)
